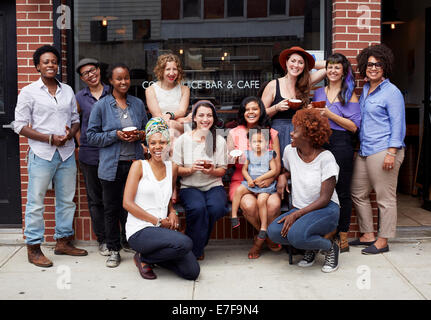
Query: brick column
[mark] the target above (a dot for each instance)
(34, 29)
(356, 25)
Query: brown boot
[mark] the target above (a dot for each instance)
(330, 235)
(344, 243)
(65, 246)
(36, 256)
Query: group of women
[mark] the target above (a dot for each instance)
(307, 152)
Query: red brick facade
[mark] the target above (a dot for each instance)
(35, 28)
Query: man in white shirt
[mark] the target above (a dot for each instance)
(46, 113)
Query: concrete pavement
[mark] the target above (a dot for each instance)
(226, 273)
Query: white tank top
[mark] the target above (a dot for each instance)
(153, 196)
(169, 100)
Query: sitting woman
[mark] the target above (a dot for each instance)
(314, 173)
(252, 114)
(201, 158)
(168, 98)
(150, 230)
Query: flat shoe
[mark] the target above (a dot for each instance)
(358, 242)
(373, 250)
(145, 270)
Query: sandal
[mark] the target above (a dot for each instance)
(235, 223)
(254, 252)
(274, 247)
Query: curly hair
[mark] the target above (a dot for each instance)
(315, 127)
(44, 49)
(161, 65)
(382, 53)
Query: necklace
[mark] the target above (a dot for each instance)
(333, 100)
(123, 113)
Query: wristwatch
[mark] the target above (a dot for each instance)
(159, 222)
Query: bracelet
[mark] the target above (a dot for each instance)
(391, 154)
(50, 140)
(171, 114)
(159, 222)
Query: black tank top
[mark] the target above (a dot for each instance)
(288, 114)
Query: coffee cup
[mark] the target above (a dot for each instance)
(318, 104)
(294, 103)
(129, 131)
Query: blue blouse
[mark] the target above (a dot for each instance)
(383, 116)
(102, 132)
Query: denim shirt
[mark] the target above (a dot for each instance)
(102, 132)
(383, 117)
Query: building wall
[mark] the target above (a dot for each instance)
(35, 28)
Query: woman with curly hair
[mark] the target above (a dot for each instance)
(381, 154)
(343, 112)
(314, 173)
(168, 98)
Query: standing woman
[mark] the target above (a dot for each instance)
(296, 84)
(382, 133)
(342, 110)
(152, 221)
(202, 193)
(47, 115)
(251, 114)
(167, 98)
(108, 117)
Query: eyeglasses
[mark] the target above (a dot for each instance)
(87, 73)
(378, 65)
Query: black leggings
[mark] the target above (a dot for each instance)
(340, 144)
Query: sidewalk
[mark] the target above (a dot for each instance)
(226, 273)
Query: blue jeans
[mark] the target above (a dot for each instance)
(307, 232)
(284, 128)
(167, 248)
(203, 209)
(40, 174)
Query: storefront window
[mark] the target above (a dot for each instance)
(229, 49)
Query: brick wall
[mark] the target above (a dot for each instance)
(356, 25)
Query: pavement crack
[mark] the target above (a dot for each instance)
(11, 256)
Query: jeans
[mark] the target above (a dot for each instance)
(113, 204)
(340, 144)
(203, 209)
(307, 232)
(40, 174)
(284, 128)
(167, 248)
(95, 199)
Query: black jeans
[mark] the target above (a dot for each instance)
(340, 144)
(167, 248)
(113, 203)
(95, 199)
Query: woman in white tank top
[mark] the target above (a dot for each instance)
(167, 98)
(152, 222)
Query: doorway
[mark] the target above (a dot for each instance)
(10, 188)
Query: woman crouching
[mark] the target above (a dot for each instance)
(314, 173)
(151, 231)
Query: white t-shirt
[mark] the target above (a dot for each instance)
(307, 178)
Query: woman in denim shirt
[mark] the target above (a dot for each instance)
(382, 132)
(109, 116)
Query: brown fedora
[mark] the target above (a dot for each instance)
(287, 52)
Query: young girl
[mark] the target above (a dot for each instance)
(259, 165)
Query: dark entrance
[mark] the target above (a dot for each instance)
(10, 191)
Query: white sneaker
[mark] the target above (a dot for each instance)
(308, 259)
(331, 259)
(103, 249)
(114, 259)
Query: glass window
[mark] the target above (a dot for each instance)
(235, 8)
(191, 8)
(224, 60)
(277, 7)
(214, 9)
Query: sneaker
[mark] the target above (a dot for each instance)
(103, 249)
(308, 259)
(114, 259)
(331, 258)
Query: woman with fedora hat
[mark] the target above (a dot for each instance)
(295, 84)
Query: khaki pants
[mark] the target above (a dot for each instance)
(368, 174)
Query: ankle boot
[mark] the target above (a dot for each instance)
(65, 246)
(36, 256)
(344, 244)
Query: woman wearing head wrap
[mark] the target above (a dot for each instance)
(152, 221)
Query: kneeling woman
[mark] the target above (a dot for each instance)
(314, 173)
(150, 230)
